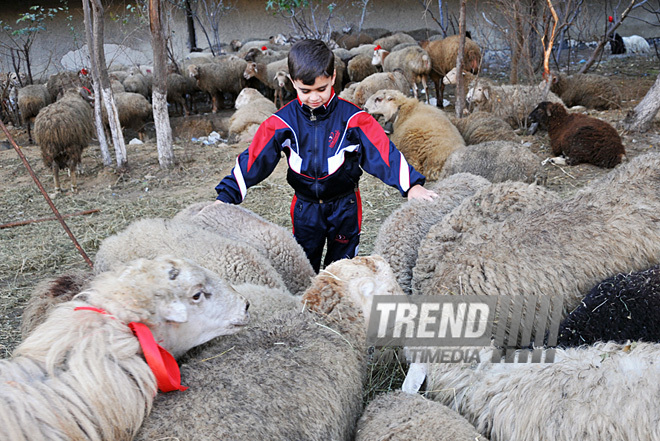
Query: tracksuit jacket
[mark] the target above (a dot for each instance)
(326, 149)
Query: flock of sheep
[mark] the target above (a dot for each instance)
(281, 353)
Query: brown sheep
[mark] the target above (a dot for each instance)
(443, 59)
(390, 41)
(225, 75)
(421, 132)
(588, 90)
(62, 130)
(268, 75)
(580, 138)
(360, 67)
(31, 99)
(61, 82)
(134, 112)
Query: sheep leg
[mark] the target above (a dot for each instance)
(426, 89)
(56, 177)
(74, 179)
(214, 101)
(414, 88)
(442, 94)
(278, 95)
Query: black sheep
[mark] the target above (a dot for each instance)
(616, 44)
(621, 308)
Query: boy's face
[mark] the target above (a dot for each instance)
(318, 93)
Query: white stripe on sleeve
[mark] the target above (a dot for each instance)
(238, 175)
(404, 174)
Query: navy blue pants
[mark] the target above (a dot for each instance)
(338, 222)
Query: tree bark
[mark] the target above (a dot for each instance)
(460, 80)
(159, 95)
(108, 97)
(190, 21)
(96, 85)
(641, 117)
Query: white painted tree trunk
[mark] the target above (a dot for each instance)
(115, 128)
(641, 117)
(163, 129)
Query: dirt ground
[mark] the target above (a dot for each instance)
(36, 251)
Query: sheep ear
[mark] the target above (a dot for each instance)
(487, 93)
(175, 312)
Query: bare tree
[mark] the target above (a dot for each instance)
(309, 18)
(641, 117)
(616, 22)
(100, 76)
(460, 81)
(159, 94)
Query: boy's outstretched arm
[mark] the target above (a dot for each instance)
(419, 192)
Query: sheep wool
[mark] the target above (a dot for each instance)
(590, 393)
(296, 374)
(588, 90)
(562, 248)
(399, 416)
(497, 161)
(379, 81)
(252, 108)
(620, 308)
(82, 375)
(401, 233)
(235, 261)
(272, 241)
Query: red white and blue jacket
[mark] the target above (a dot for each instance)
(326, 149)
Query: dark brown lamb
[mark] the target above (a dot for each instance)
(580, 138)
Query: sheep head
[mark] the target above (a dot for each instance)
(356, 280)
(385, 102)
(250, 70)
(478, 94)
(182, 303)
(246, 96)
(379, 56)
(193, 71)
(282, 77)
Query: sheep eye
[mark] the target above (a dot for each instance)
(378, 100)
(197, 296)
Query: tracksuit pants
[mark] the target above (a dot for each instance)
(338, 222)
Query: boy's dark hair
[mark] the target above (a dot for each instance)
(309, 59)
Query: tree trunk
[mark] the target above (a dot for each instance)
(460, 80)
(641, 117)
(96, 85)
(190, 21)
(108, 97)
(159, 96)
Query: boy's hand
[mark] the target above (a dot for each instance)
(419, 192)
(218, 201)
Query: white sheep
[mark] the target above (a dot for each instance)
(400, 416)
(413, 61)
(636, 45)
(82, 374)
(513, 103)
(401, 233)
(561, 248)
(297, 374)
(496, 161)
(252, 108)
(591, 393)
(421, 132)
(237, 262)
(272, 241)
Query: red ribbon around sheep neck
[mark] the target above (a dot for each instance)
(161, 362)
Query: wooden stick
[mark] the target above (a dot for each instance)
(45, 195)
(44, 219)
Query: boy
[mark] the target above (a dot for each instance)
(327, 142)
